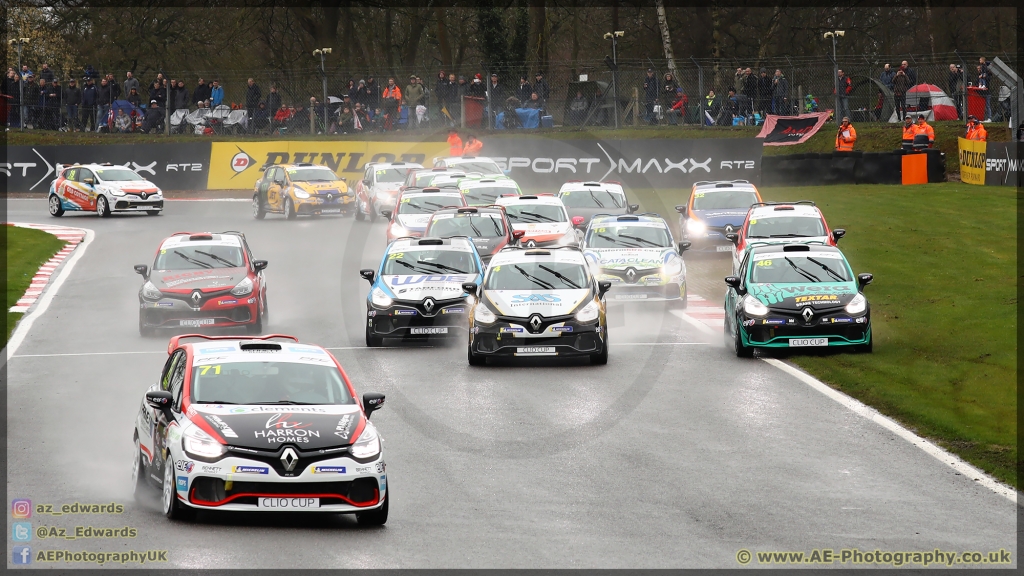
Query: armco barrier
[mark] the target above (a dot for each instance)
(844, 168)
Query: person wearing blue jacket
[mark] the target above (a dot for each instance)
(216, 94)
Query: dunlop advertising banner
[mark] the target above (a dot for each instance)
(972, 161)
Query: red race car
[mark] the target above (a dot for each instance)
(203, 280)
(488, 226)
(782, 223)
(414, 209)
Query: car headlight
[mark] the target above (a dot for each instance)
(753, 307)
(589, 313)
(398, 230)
(379, 298)
(111, 190)
(368, 443)
(242, 288)
(149, 292)
(857, 305)
(569, 238)
(300, 193)
(694, 226)
(673, 268)
(199, 443)
(483, 314)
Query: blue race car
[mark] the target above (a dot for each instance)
(416, 292)
(714, 210)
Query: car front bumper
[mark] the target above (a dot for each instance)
(217, 312)
(511, 337)
(411, 321)
(314, 205)
(136, 204)
(771, 332)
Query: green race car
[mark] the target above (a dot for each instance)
(796, 296)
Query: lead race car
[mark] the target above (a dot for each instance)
(417, 291)
(300, 189)
(259, 425)
(104, 189)
(538, 302)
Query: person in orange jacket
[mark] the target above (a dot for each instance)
(922, 127)
(454, 143)
(392, 104)
(472, 147)
(908, 133)
(976, 130)
(846, 136)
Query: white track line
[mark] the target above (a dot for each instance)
(861, 409)
(44, 302)
(693, 322)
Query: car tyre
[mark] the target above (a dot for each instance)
(154, 212)
(259, 211)
(289, 209)
(56, 208)
(474, 358)
(681, 303)
(358, 212)
(737, 344)
(102, 207)
(257, 326)
(866, 348)
(172, 508)
(372, 211)
(140, 473)
(144, 330)
(376, 517)
(602, 358)
(372, 340)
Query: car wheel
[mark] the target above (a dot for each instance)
(372, 340)
(866, 348)
(102, 207)
(172, 508)
(258, 210)
(154, 212)
(372, 210)
(602, 358)
(377, 517)
(476, 359)
(140, 484)
(737, 344)
(359, 212)
(257, 326)
(56, 208)
(681, 303)
(144, 330)
(289, 209)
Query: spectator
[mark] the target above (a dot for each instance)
(976, 130)
(472, 147)
(361, 95)
(154, 117)
(955, 84)
(274, 101)
(260, 118)
(281, 117)
(477, 88)
(253, 94)
(299, 121)
(900, 85)
(317, 109)
(216, 94)
(351, 90)
(540, 86)
(461, 89)
(910, 72)
(496, 93)
(846, 136)
(454, 143)
(887, 76)
(413, 94)
(879, 105)
(181, 99)
(361, 118)
(578, 109)
(32, 92)
(13, 87)
(90, 72)
(72, 99)
(159, 93)
(103, 100)
(89, 99)
(739, 77)
(115, 88)
(202, 91)
(448, 94)
(731, 109)
(713, 104)
(122, 123)
(750, 91)
(130, 82)
(135, 98)
(677, 113)
(780, 92)
(843, 98)
(372, 95)
(392, 97)
(908, 133)
(764, 93)
(26, 73)
(983, 91)
(46, 74)
(172, 94)
(52, 105)
(650, 96)
(922, 127)
(524, 90)
(534, 103)
(1003, 99)
(668, 93)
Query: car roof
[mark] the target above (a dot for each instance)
(489, 182)
(529, 199)
(454, 243)
(577, 186)
(456, 160)
(513, 255)
(228, 349)
(298, 165)
(91, 166)
(201, 239)
(430, 191)
(795, 248)
(723, 185)
(648, 218)
(472, 209)
(785, 210)
(393, 165)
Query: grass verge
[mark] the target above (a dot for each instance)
(26, 250)
(944, 310)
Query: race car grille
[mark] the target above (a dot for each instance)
(538, 327)
(823, 326)
(626, 276)
(583, 342)
(273, 458)
(204, 296)
(156, 316)
(126, 204)
(435, 307)
(388, 324)
(215, 491)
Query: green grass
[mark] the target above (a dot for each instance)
(26, 250)
(944, 310)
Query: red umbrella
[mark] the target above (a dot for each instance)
(941, 104)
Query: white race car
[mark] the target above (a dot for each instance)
(542, 219)
(379, 187)
(259, 424)
(481, 164)
(638, 255)
(104, 189)
(538, 302)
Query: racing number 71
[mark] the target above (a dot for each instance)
(205, 369)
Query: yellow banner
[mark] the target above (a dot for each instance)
(972, 161)
(237, 165)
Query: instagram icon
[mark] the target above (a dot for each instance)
(21, 508)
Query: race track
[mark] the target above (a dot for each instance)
(675, 454)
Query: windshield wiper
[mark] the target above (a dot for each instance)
(534, 279)
(803, 272)
(830, 271)
(440, 266)
(291, 402)
(218, 259)
(596, 201)
(475, 229)
(433, 204)
(193, 260)
(538, 216)
(411, 267)
(615, 241)
(494, 222)
(785, 236)
(558, 275)
(655, 244)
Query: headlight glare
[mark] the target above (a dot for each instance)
(694, 226)
(398, 230)
(379, 298)
(589, 313)
(199, 443)
(242, 288)
(858, 305)
(753, 307)
(368, 443)
(150, 292)
(300, 193)
(483, 314)
(673, 267)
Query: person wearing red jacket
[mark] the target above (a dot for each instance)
(678, 109)
(843, 97)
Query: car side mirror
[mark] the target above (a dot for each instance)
(681, 208)
(733, 237)
(386, 214)
(732, 282)
(837, 234)
(372, 401)
(517, 234)
(368, 275)
(159, 399)
(632, 208)
(469, 287)
(603, 287)
(258, 265)
(89, 181)
(506, 172)
(684, 246)
(142, 270)
(864, 279)
(577, 221)
(366, 182)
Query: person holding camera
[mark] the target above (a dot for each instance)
(955, 83)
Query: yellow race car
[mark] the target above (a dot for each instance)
(301, 189)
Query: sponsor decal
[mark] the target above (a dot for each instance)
(404, 280)
(280, 429)
(217, 350)
(342, 430)
(329, 470)
(225, 302)
(749, 322)
(562, 328)
(771, 294)
(305, 350)
(453, 311)
(371, 313)
(210, 469)
(164, 304)
(241, 161)
(252, 409)
(221, 425)
(184, 465)
(405, 312)
(818, 299)
(250, 470)
(364, 469)
(381, 467)
(513, 329)
(534, 298)
(839, 320)
(251, 300)
(773, 321)
(860, 320)
(181, 482)
(972, 161)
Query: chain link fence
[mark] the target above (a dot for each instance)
(577, 93)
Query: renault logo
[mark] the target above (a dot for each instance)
(729, 229)
(807, 314)
(289, 458)
(535, 322)
(531, 244)
(330, 197)
(428, 304)
(197, 296)
(630, 274)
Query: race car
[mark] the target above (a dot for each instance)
(488, 227)
(782, 223)
(203, 280)
(485, 166)
(424, 177)
(485, 191)
(258, 425)
(414, 209)
(538, 302)
(379, 187)
(796, 296)
(542, 219)
(638, 256)
(588, 198)
(103, 189)
(300, 190)
(416, 291)
(714, 210)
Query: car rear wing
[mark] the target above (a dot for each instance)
(798, 202)
(173, 344)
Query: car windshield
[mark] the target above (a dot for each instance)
(537, 276)
(427, 203)
(390, 174)
(424, 179)
(268, 383)
(785, 227)
(311, 175)
(487, 225)
(719, 200)
(199, 257)
(799, 267)
(481, 166)
(409, 262)
(628, 236)
(535, 213)
(117, 175)
(485, 195)
(593, 199)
